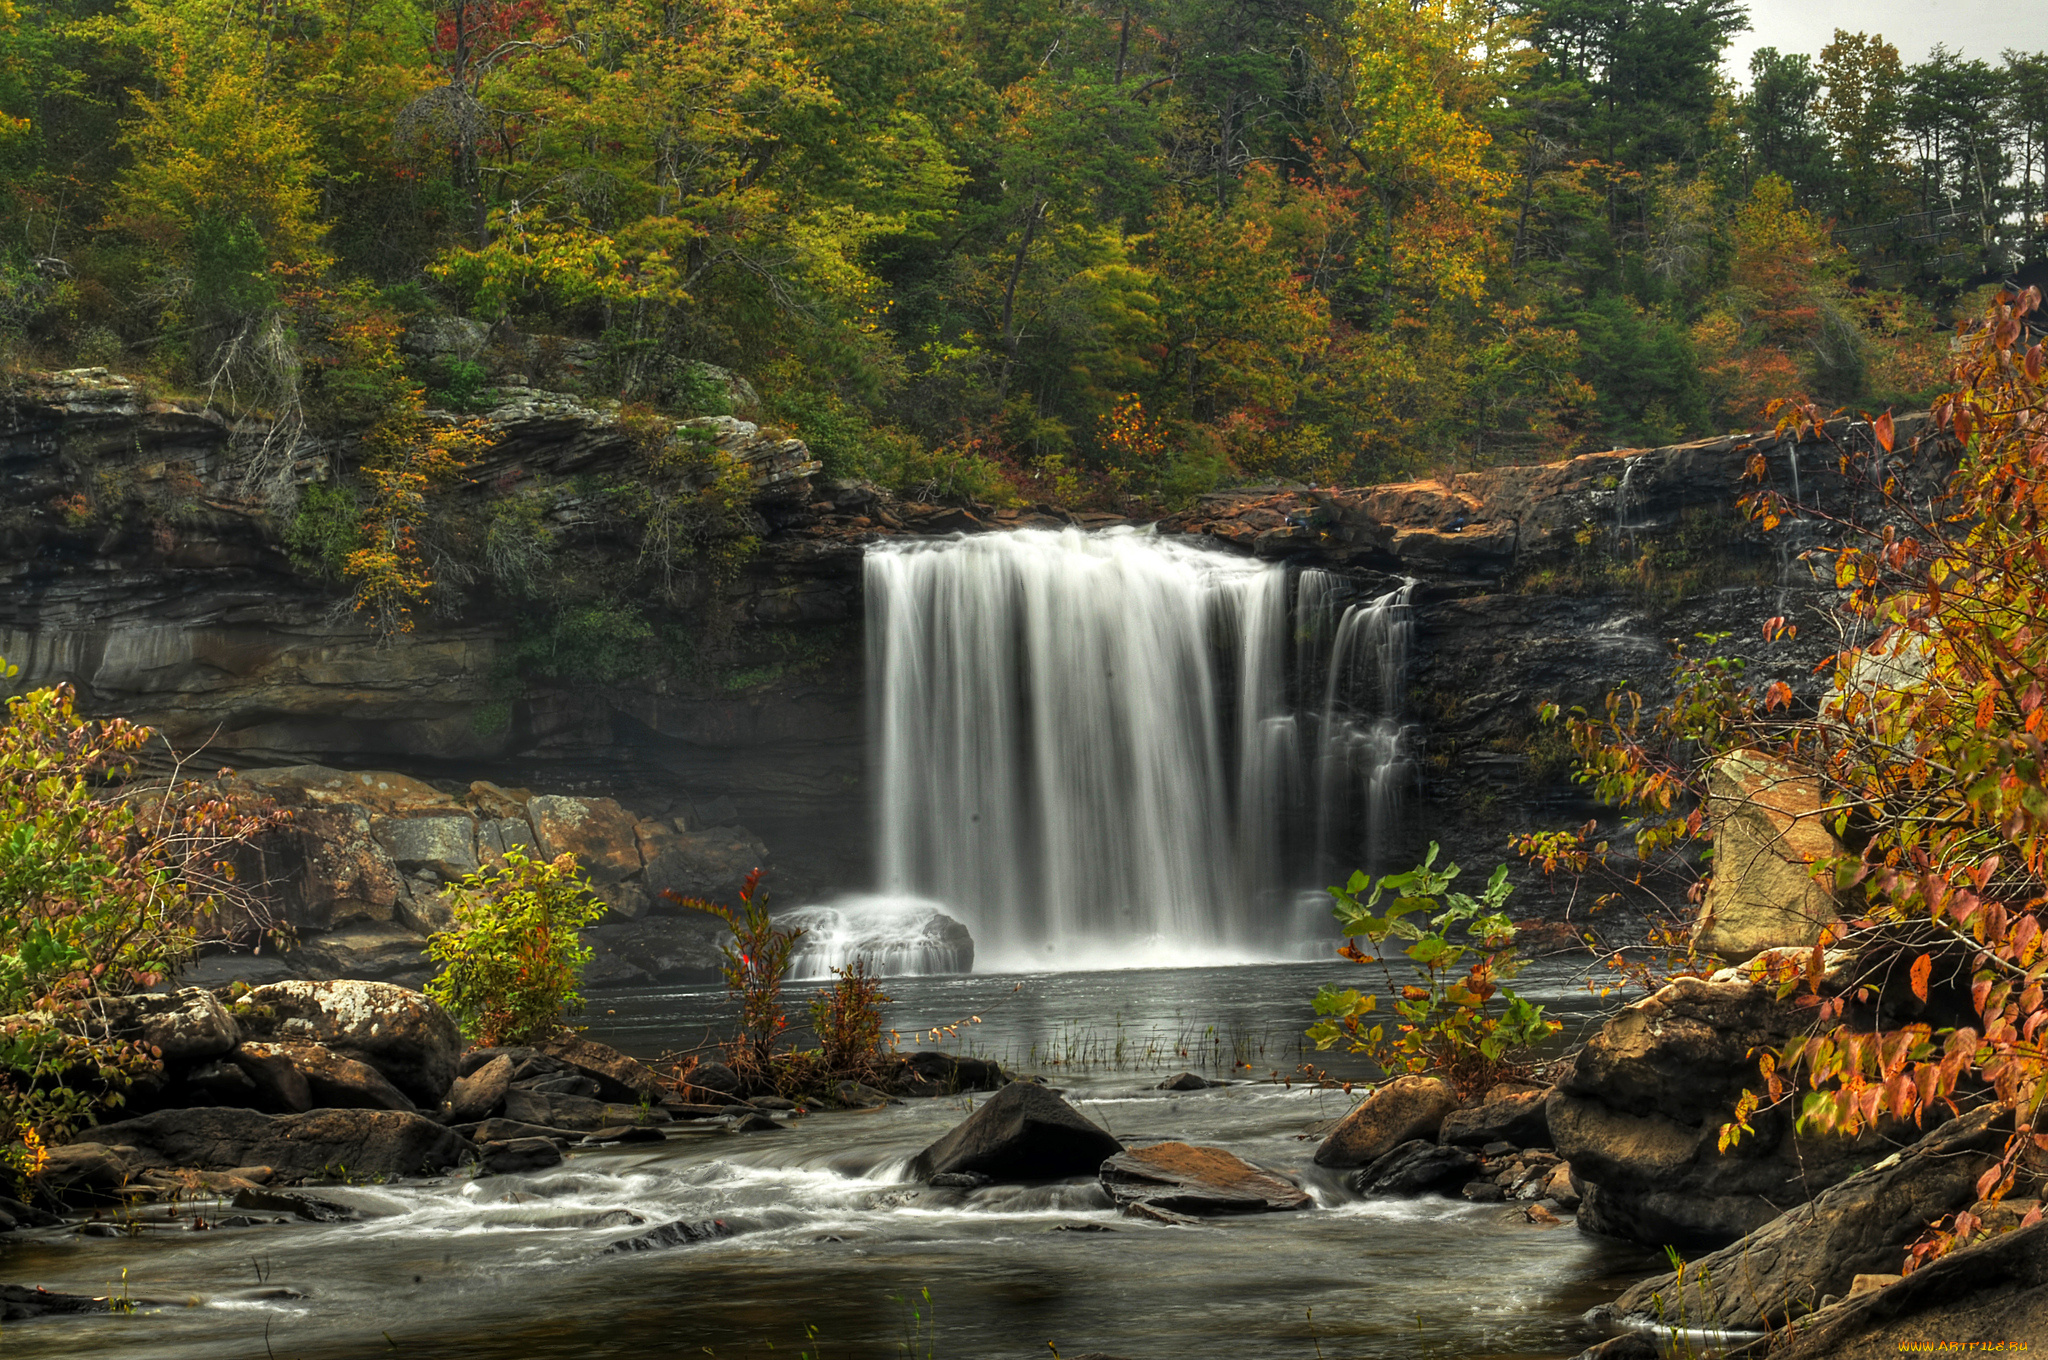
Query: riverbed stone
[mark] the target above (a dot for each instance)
(482, 1093)
(1770, 830)
(401, 1033)
(1023, 1132)
(595, 830)
(1188, 1081)
(581, 1113)
(281, 1088)
(931, 1072)
(19, 1303)
(517, 1155)
(296, 1147)
(1784, 1269)
(1187, 1179)
(1511, 1113)
(1405, 1108)
(338, 1082)
(618, 1077)
(1417, 1167)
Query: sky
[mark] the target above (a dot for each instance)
(1978, 28)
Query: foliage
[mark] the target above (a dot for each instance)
(1459, 1020)
(756, 963)
(513, 960)
(100, 895)
(325, 530)
(847, 1017)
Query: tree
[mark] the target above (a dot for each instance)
(1860, 110)
(1781, 127)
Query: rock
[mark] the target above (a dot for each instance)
(1510, 1113)
(518, 1154)
(86, 1166)
(402, 1034)
(19, 1303)
(482, 1093)
(574, 1112)
(677, 1234)
(311, 1208)
(1405, 1108)
(1627, 1346)
(618, 1077)
(1985, 1297)
(1417, 1167)
(427, 909)
(441, 335)
(596, 830)
(718, 812)
(1540, 1216)
(929, 1072)
(624, 902)
(338, 1082)
(713, 1078)
(1782, 1270)
(27, 1215)
(1153, 1213)
(281, 1088)
(444, 844)
(755, 1122)
(1196, 1180)
(626, 1133)
(1638, 1115)
(1769, 832)
(1022, 1133)
(186, 1026)
(327, 869)
(655, 948)
(854, 1095)
(960, 1180)
(365, 953)
(1187, 1081)
(296, 1147)
(497, 804)
(499, 836)
(1561, 1188)
(506, 1130)
(219, 1082)
(710, 865)
(1484, 1192)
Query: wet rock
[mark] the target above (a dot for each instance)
(19, 1303)
(1782, 1270)
(854, 1095)
(1403, 1109)
(297, 1147)
(1627, 1346)
(713, 1078)
(338, 1082)
(1983, 1298)
(517, 1155)
(1484, 1192)
(567, 1084)
(1197, 1180)
(960, 1180)
(677, 1234)
(186, 1026)
(505, 1130)
(618, 1077)
(626, 1133)
(596, 830)
(27, 1215)
(755, 1123)
(655, 948)
(575, 1112)
(402, 1034)
(678, 1110)
(1022, 1133)
(1188, 1081)
(482, 1093)
(86, 1166)
(1639, 1112)
(929, 1072)
(1769, 832)
(1417, 1167)
(311, 1208)
(281, 1088)
(1511, 1113)
(1154, 1213)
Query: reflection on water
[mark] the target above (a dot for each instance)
(827, 1235)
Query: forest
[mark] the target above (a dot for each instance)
(1031, 250)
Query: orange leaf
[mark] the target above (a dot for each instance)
(1922, 967)
(1883, 430)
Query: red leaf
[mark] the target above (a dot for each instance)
(1883, 430)
(1922, 967)
(1987, 1180)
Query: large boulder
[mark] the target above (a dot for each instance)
(932, 1072)
(281, 1088)
(186, 1026)
(685, 948)
(444, 843)
(711, 864)
(618, 1077)
(1864, 1225)
(1184, 1179)
(1511, 1113)
(294, 1147)
(1638, 1114)
(581, 1113)
(1403, 1109)
(480, 1094)
(337, 1082)
(1416, 1167)
(325, 868)
(596, 830)
(1023, 1132)
(402, 1034)
(1984, 1298)
(1769, 832)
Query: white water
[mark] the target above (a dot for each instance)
(897, 936)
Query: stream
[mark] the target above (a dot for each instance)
(833, 1254)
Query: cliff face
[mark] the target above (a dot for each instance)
(139, 571)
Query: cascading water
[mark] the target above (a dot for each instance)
(1081, 740)
(1083, 747)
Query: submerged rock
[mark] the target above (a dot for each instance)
(516, 1155)
(1184, 1179)
(1403, 1109)
(19, 1304)
(677, 1234)
(1022, 1133)
(1188, 1081)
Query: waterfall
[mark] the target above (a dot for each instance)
(1082, 741)
(1367, 754)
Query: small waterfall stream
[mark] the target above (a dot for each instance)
(1113, 749)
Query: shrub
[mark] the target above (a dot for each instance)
(756, 963)
(512, 962)
(100, 895)
(848, 1021)
(1459, 1019)
(326, 529)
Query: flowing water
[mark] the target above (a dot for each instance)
(834, 1254)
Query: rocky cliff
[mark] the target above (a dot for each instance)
(143, 572)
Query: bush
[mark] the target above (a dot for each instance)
(326, 529)
(848, 1021)
(513, 961)
(756, 963)
(100, 896)
(1458, 1020)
